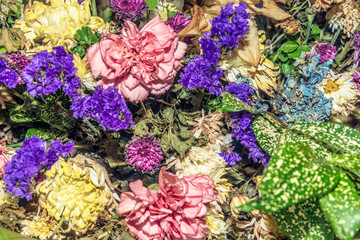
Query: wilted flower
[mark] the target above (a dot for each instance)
(125, 10)
(177, 211)
(56, 22)
(326, 52)
(40, 227)
(345, 16)
(144, 153)
(343, 91)
(216, 224)
(78, 190)
(356, 79)
(138, 62)
(356, 44)
(5, 197)
(178, 22)
(84, 72)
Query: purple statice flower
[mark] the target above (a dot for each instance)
(8, 76)
(107, 106)
(51, 71)
(230, 157)
(28, 161)
(326, 52)
(178, 22)
(241, 91)
(356, 79)
(131, 10)
(230, 25)
(356, 44)
(80, 1)
(20, 61)
(144, 153)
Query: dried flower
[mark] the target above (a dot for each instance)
(356, 79)
(84, 72)
(138, 62)
(356, 44)
(128, 10)
(208, 125)
(78, 190)
(177, 211)
(144, 153)
(326, 52)
(178, 22)
(5, 197)
(40, 227)
(342, 90)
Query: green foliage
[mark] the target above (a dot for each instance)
(85, 38)
(43, 133)
(311, 184)
(7, 234)
(233, 104)
(151, 4)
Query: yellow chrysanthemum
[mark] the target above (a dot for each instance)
(78, 190)
(56, 23)
(263, 76)
(342, 90)
(205, 161)
(40, 227)
(84, 72)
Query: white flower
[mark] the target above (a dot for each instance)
(342, 90)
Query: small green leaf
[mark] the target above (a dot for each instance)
(289, 47)
(305, 48)
(80, 50)
(233, 104)
(341, 138)
(304, 221)
(171, 13)
(169, 114)
(291, 177)
(315, 30)
(286, 67)
(283, 56)
(7, 234)
(86, 36)
(152, 4)
(2, 50)
(296, 53)
(43, 133)
(342, 208)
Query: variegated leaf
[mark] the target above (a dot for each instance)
(350, 162)
(304, 221)
(341, 138)
(293, 176)
(233, 104)
(342, 208)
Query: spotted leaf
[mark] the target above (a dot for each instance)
(342, 208)
(304, 221)
(341, 138)
(349, 162)
(292, 177)
(233, 104)
(268, 132)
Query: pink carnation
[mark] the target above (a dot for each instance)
(177, 211)
(138, 62)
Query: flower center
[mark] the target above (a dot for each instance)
(331, 86)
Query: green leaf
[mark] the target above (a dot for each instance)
(178, 145)
(171, 13)
(85, 36)
(141, 128)
(283, 56)
(315, 30)
(2, 50)
(151, 4)
(349, 162)
(342, 138)
(296, 53)
(80, 50)
(43, 133)
(291, 177)
(10, 235)
(342, 208)
(169, 114)
(233, 104)
(286, 67)
(305, 48)
(289, 47)
(304, 221)
(267, 132)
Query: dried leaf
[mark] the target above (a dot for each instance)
(197, 25)
(12, 39)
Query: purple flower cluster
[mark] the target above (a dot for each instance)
(20, 61)
(29, 160)
(356, 79)
(45, 72)
(241, 91)
(227, 28)
(230, 157)
(326, 52)
(144, 153)
(178, 22)
(230, 25)
(356, 44)
(131, 10)
(107, 107)
(8, 76)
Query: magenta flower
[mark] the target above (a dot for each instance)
(356, 79)
(356, 43)
(144, 153)
(326, 52)
(131, 10)
(178, 22)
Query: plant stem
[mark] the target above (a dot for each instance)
(344, 51)
(58, 226)
(88, 123)
(93, 7)
(335, 36)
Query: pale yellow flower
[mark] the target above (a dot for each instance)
(205, 161)
(56, 23)
(78, 190)
(84, 72)
(163, 9)
(216, 224)
(342, 90)
(40, 227)
(5, 197)
(263, 77)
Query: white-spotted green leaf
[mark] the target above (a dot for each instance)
(304, 221)
(7, 234)
(293, 176)
(267, 133)
(342, 208)
(355, 179)
(341, 138)
(350, 162)
(233, 104)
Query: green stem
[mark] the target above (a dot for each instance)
(57, 227)
(344, 51)
(16, 145)
(335, 36)
(93, 7)
(308, 31)
(88, 123)
(107, 236)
